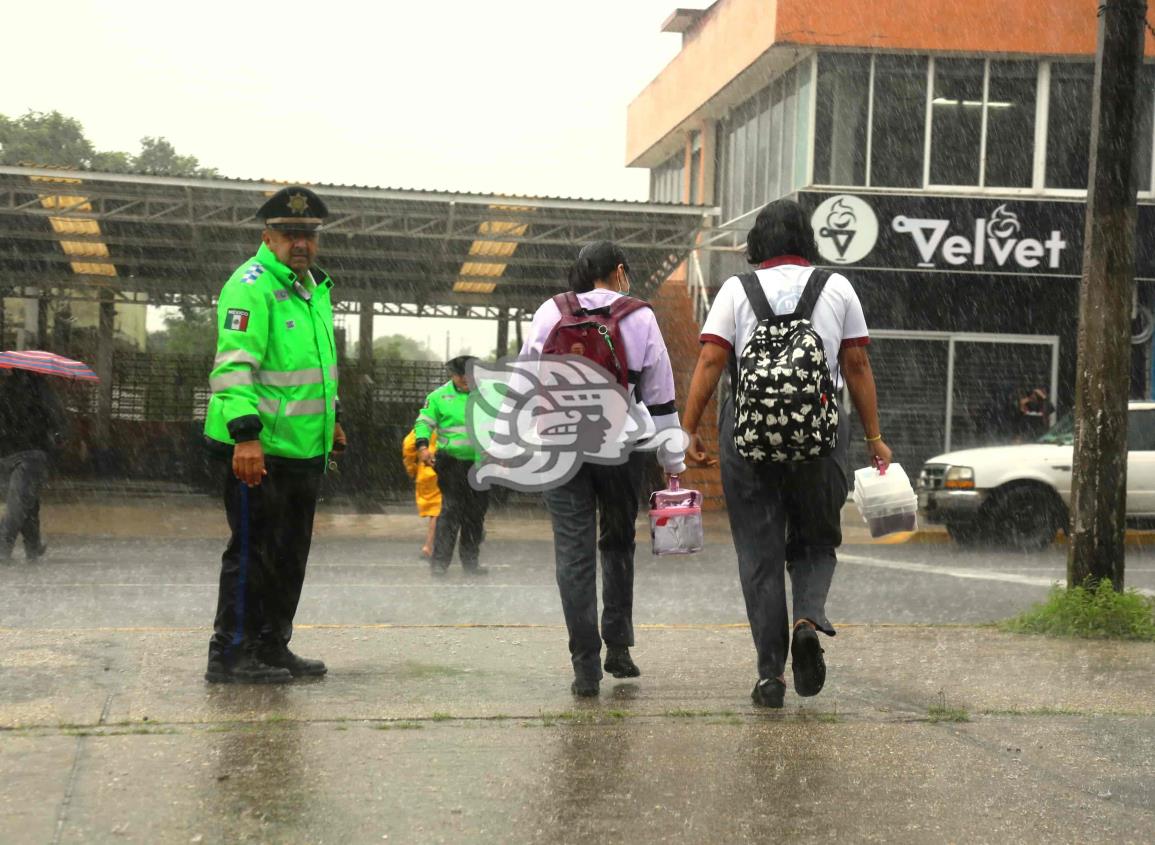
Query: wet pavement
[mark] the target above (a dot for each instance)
(447, 717)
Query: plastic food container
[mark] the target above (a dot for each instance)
(676, 520)
(887, 501)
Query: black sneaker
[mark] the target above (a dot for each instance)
(299, 667)
(245, 669)
(769, 692)
(438, 570)
(584, 689)
(806, 661)
(35, 552)
(619, 663)
(476, 570)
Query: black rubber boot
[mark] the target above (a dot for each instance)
(245, 669)
(619, 663)
(769, 692)
(806, 661)
(299, 667)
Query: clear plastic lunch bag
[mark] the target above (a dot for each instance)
(676, 520)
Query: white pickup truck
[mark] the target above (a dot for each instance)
(1019, 495)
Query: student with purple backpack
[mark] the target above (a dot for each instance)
(599, 321)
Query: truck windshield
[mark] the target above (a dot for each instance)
(1062, 433)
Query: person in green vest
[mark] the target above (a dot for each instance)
(273, 422)
(462, 507)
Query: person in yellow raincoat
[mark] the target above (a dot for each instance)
(428, 493)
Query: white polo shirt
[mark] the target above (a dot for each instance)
(837, 315)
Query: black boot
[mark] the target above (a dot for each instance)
(619, 664)
(583, 688)
(806, 661)
(300, 667)
(244, 669)
(769, 692)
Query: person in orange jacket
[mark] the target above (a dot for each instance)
(428, 493)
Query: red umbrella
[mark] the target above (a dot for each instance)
(47, 363)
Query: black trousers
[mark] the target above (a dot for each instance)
(610, 492)
(22, 516)
(783, 518)
(462, 513)
(263, 567)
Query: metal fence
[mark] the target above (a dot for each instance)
(158, 410)
(939, 391)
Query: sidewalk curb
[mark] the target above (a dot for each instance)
(1135, 538)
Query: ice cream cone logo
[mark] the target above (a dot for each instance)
(846, 229)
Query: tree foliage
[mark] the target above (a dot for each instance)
(190, 332)
(51, 139)
(398, 347)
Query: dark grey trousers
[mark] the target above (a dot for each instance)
(783, 517)
(574, 508)
(22, 515)
(462, 512)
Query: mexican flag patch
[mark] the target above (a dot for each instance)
(237, 319)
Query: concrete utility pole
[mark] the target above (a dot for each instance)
(1098, 504)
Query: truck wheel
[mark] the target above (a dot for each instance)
(1025, 517)
(965, 533)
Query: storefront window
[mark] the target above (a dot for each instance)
(695, 167)
(898, 134)
(840, 122)
(761, 176)
(1011, 124)
(802, 127)
(666, 180)
(789, 107)
(956, 121)
(1146, 129)
(773, 162)
(1069, 125)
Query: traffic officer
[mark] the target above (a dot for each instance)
(462, 507)
(273, 417)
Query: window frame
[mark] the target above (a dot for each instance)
(1041, 132)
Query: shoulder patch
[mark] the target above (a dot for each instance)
(252, 274)
(280, 294)
(237, 319)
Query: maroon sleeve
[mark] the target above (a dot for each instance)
(717, 341)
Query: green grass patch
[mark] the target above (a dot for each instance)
(825, 717)
(1036, 711)
(1095, 613)
(939, 713)
(398, 726)
(441, 717)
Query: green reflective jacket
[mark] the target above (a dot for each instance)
(275, 374)
(444, 413)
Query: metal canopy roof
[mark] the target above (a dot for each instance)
(166, 240)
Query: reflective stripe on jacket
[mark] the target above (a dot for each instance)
(275, 374)
(444, 413)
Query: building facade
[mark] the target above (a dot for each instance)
(942, 150)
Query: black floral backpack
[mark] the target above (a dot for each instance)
(784, 403)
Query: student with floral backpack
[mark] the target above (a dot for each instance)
(791, 336)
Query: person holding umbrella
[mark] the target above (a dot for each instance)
(32, 424)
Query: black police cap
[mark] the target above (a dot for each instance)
(457, 366)
(293, 209)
